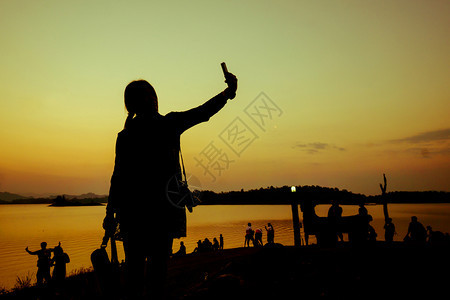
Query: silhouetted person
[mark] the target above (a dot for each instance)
(270, 233)
(181, 251)
(249, 235)
(207, 245)
(362, 211)
(199, 247)
(334, 218)
(258, 237)
(59, 261)
(43, 263)
(371, 234)
(416, 232)
(215, 245)
(433, 236)
(447, 237)
(389, 231)
(147, 160)
(221, 242)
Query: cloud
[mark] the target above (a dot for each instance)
(317, 147)
(427, 152)
(429, 136)
(426, 144)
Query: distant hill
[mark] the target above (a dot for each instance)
(85, 196)
(84, 199)
(82, 196)
(62, 201)
(5, 196)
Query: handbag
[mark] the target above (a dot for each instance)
(107, 271)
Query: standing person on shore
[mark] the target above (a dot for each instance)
(270, 233)
(334, 217)
(221, 242)
(389, 231)
(249, 235)
(59, 261)
(215, 244)
(43, 263)
(258, 237)
(147, 159)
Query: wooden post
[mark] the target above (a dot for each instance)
(296, 223)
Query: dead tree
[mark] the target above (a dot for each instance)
(384, 199)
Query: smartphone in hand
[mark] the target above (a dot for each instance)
(224, 69)
(230, 79)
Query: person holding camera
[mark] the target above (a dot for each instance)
(147, 157)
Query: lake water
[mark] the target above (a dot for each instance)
(79, 229)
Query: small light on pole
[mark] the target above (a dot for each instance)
(295, 218)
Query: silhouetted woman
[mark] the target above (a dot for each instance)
(249, 233)
(215, 245)
(59, 261)
(270, 233)
(147, 157)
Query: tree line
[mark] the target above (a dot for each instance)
(270, 195)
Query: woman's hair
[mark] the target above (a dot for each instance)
(140, 97)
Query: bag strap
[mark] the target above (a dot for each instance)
(184, 171)
(193, 198)
(114, 257)
(112, 239)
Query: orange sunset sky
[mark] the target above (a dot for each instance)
(331, 93)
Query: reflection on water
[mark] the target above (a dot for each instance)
(79, 229)
(29, 225)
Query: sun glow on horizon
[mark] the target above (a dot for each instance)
(363, 87)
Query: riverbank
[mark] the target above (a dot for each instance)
(281, 273)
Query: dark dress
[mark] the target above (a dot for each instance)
(60, 261)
